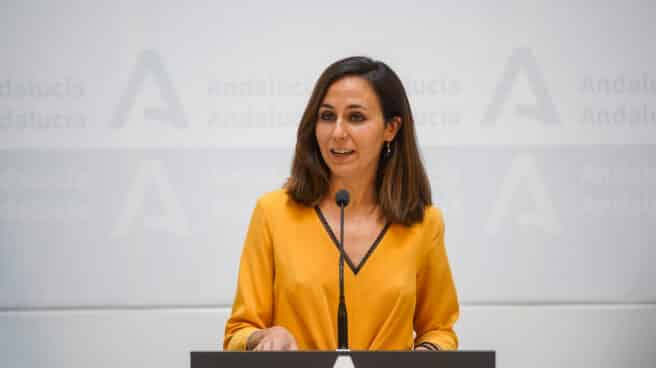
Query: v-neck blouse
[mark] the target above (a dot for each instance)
(401, 294)
(348, 260)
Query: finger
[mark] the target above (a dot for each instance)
(261, 346)
(283, 344)
(277, 345)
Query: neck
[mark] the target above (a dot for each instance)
(362, 194)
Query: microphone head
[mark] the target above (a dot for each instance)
(342, 197)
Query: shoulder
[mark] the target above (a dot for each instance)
(433, 217)
(276, 201)
(279, 211)
(272, 198)
(432, 225)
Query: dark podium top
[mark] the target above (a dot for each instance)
(360, 359)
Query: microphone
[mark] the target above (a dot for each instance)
(342, 200)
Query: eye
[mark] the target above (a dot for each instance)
(326, 115)
(356, 116)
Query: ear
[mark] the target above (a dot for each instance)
(392, 127)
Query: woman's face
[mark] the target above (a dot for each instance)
(350, 128)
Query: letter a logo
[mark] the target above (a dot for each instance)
(151, 180)
(149, 63)
(524, 174)
(544, 110)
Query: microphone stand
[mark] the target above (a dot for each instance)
(342, 317)
(343, 357)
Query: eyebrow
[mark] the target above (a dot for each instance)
(352, 106)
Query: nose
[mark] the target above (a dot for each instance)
(340, 130)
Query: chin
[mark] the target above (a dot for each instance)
(342, 172)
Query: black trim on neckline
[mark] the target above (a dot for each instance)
(355, 269)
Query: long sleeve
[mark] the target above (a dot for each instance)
(253, 305)
(288, 277)
(437, 306)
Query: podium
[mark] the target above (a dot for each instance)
(330, 359)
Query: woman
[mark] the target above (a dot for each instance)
(356, 134)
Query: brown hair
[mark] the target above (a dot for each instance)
(401, 181)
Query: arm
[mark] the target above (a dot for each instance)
(252, 309)
(437, 302)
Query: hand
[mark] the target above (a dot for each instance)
(422, 348)
(273, 338)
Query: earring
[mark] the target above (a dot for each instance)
(388, 151)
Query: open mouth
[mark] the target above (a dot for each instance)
(341, 152)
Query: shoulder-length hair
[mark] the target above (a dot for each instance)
(402, 186)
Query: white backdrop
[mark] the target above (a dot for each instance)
(135, 138)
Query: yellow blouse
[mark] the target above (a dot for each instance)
(401, 295)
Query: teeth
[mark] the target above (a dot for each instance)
(342, 151)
